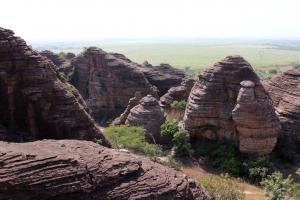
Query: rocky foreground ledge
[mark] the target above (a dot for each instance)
(71, 169)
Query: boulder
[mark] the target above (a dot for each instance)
(34, 101)
(82, 170)
(107, 82)
(217, 109)
(149, 115)
(284, 90)
(177, 93)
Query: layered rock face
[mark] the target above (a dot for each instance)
(81, 170)
(149, 115)
(177, 93)
(108, 81)
(34, 102)
(256, 125)
(62, 65)
(163, 76)
(284, 90)
(220, 107)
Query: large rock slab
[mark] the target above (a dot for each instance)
(284, 90)
(216, 108)
(34, 101)
(81, 170)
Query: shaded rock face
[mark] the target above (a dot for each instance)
(134, 101)
(60, 64)
(178, 93)
(81, 170)
(34, 102)
(220, 107)
(284, 90)
(163, 76)
(149, 115)
(107, 82)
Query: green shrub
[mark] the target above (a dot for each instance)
(169, 128)
(273, 71)
(277, 187)
(131, 138)
(180, 105)
(181, 141)
(223, 188)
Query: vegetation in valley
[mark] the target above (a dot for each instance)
(131, 138)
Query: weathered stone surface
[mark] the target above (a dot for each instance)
(284, 90)
(34, 101)
(134, 101)
(60, 64)
(149, 115)
(255, 121)
(81, 170)
(177, 93)
(163, 76)
(209, 112)
(107, 82)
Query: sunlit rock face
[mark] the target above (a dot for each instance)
(34, 102)
(284, 90)
(217, 108)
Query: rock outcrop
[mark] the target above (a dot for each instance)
(178, 93)
(149, 115)
(34, 101)
(218, 107)
(163, 77)
(134, 101)
(284, 90)
(107, 82)
(60, 64)
(81, 170)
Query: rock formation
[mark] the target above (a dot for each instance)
(107, 82)
(34, 102)
(217, 107)
(177, 93)
(163, 77)
(284, 90)
(149, 115)
(61, 64)
(134, 101)
(81, 170)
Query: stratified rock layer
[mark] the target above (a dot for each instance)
(256, 125)
(34, 102)
(163, 77)
(81, 170)
(108, 81)
(284, 90)
(178, 93)
(209, 112)
(60, 64)
(149, 115)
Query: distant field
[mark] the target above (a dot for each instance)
(197, 56)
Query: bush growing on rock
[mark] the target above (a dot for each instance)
(180, 105)
(131, 138)
(169, 128)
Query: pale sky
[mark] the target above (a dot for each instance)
(99, 19)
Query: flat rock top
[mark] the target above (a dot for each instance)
(149, 100)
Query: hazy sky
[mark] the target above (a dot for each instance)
(98, 19)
